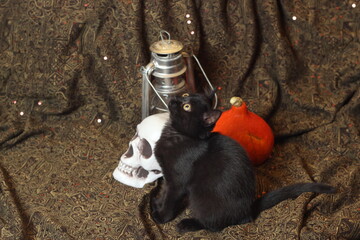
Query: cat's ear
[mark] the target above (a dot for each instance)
(210, 117)
(210, 93)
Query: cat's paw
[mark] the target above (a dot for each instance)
(154, 205)
(162, 216)
(156, 216)
(156, 211)
(189, 225)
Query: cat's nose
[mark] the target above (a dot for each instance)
(171, 102)
(173, 99)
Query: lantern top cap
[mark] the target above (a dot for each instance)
(166, 46)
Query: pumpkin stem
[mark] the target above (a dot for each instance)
(236, 101)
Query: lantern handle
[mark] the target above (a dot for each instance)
(207, 79)
(162, 37)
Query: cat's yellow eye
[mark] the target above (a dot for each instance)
(187, 107)
(185, 95)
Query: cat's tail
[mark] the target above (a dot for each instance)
(292, 191)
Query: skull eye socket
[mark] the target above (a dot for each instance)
(129, 152)
(156, 171)
(187, 107)
(145, 148)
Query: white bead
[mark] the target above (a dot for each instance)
(188, 21)
(192, 32)
(294, 18)
(105, 58)
(99, 120)
(21, 113)
(187, 15)
(353, 5)
(39, 103)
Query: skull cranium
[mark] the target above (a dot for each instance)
(138, 164)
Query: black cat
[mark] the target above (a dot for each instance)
(208, 172)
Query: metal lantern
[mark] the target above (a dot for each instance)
(169, 73)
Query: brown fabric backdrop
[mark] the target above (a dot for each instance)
(301, 74)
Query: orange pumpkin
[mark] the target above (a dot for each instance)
(248, 129)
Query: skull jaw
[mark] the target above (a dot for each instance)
(134, 177)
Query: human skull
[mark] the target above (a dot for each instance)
(138, 164)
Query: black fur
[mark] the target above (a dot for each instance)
(208, 172)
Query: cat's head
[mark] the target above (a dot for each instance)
(192, 115)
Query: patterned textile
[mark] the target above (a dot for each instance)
(70, 98)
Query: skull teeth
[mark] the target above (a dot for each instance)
(131, 171)
(124, 168)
